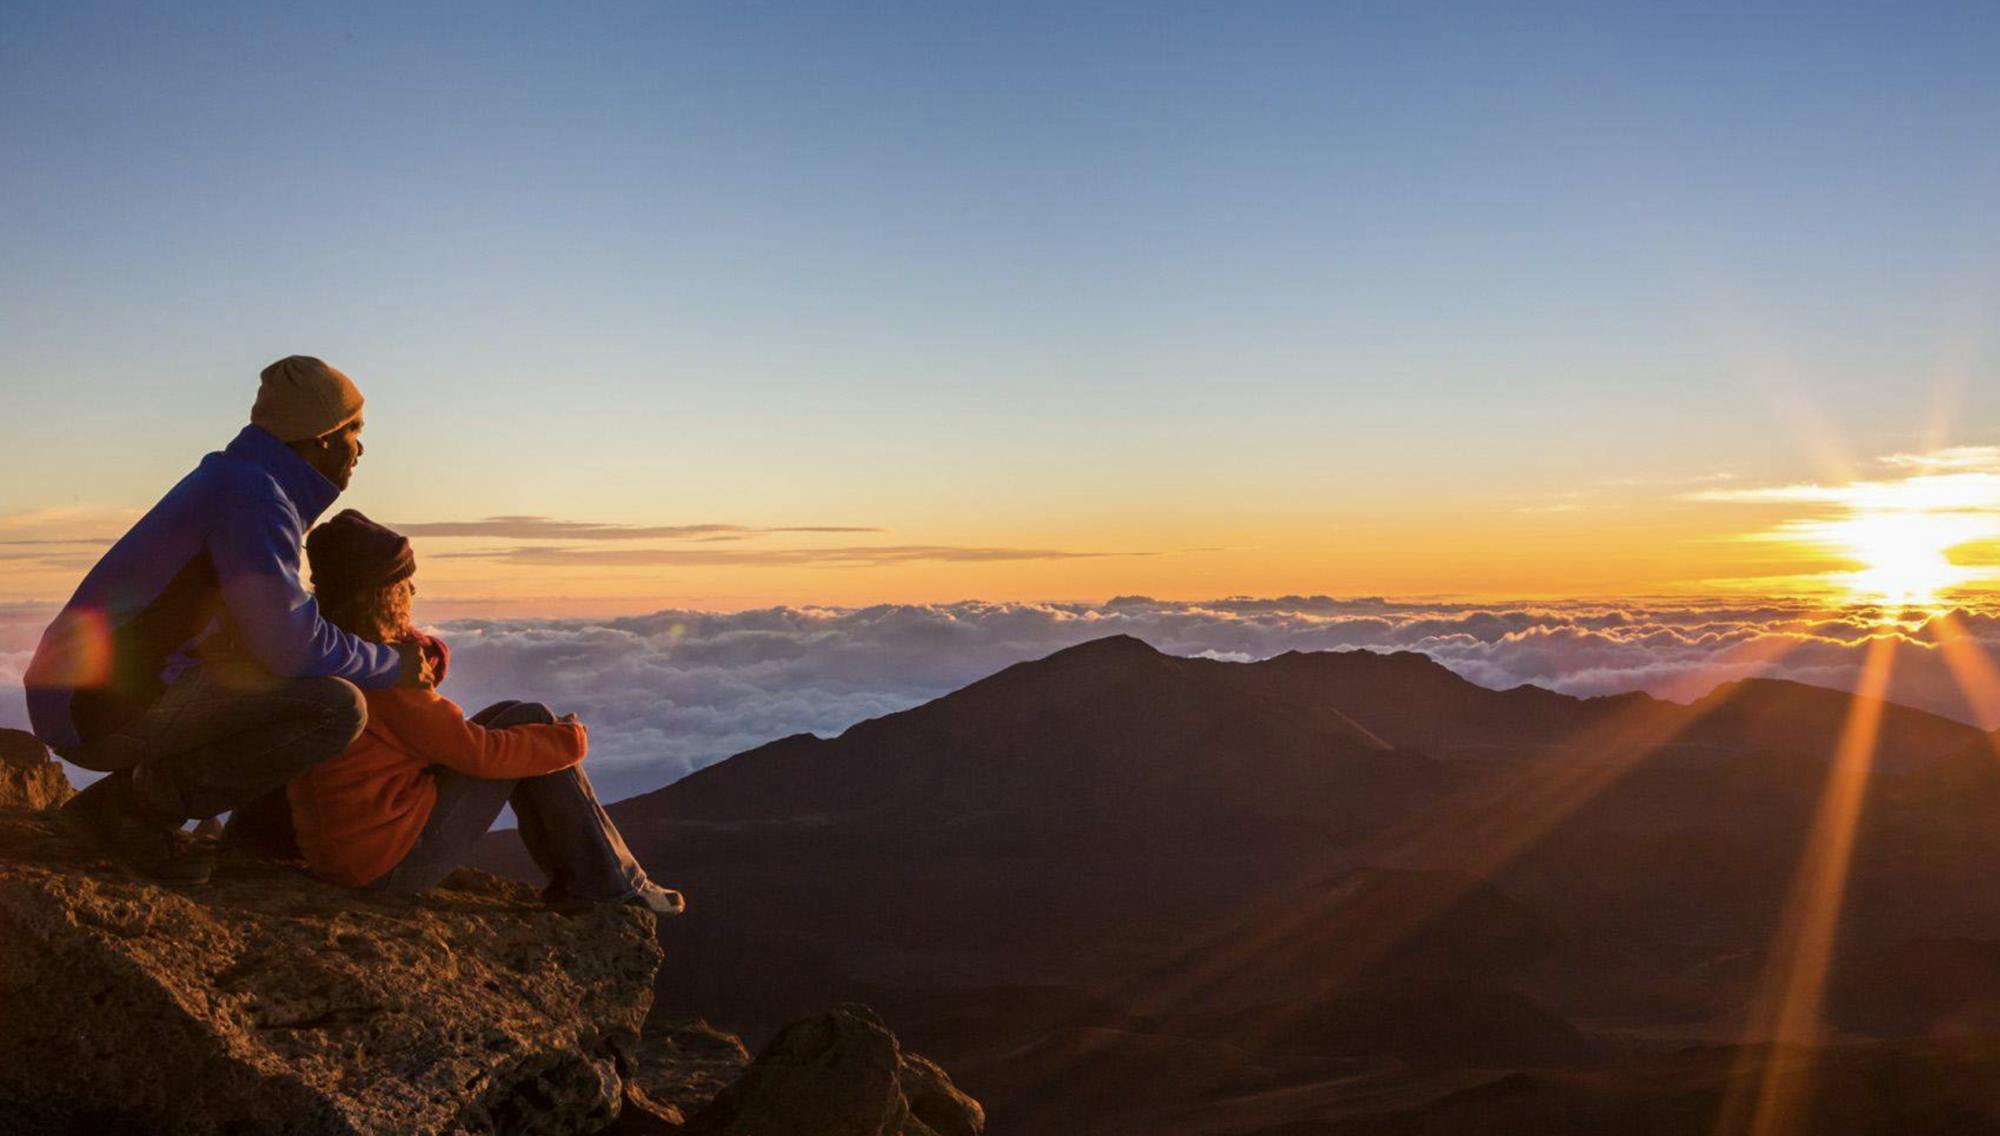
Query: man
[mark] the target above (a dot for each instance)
(191, 664)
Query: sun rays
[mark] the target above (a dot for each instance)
(1342, 933)
(1473, 840)
(1787, 1008)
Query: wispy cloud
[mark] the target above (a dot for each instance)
(68, 524)
(1669, 482)
(849, 556)
(1611, 492)
(550, 528)
(1568, 501)
(1964, 478)
(50, 559)
(1982, 459)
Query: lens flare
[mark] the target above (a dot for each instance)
(77, 652)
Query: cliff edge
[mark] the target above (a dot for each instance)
(266, 1001)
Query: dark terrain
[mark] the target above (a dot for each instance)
(1115, 891)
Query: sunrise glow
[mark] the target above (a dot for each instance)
(1905, 554)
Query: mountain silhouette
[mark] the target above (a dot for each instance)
(1317, 888)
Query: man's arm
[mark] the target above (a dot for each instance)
(255, 549)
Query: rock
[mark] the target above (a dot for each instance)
(684, 1062)
(29, 777)
(839, 1073)
(268, 1002)
(937, 1102)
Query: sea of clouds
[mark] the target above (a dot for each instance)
(673, 691)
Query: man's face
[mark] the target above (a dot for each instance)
(338, 452)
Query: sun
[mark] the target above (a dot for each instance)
(1904, 554)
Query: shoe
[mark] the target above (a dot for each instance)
(663, 902)
(105, 814)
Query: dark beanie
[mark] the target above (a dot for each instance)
(351, 553)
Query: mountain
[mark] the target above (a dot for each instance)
(1108, 733)
(1313, 888)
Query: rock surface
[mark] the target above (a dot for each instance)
(268, 1002)
(29, 777)
(683, 1063)
(839, 1073)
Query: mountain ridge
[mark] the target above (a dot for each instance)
(1157, 844)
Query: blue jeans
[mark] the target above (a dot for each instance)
(567, 832)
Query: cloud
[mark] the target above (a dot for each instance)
(850, 556)
(65, 539)
(42, 558)
(1954, 458)
(1610, 492)
(549, 528)
(673, 691)
(1961, 478)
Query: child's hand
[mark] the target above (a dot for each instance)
(417, 669)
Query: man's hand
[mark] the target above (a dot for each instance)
(569, 720)
(416, 670)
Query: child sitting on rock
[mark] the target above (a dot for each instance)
(404, 804)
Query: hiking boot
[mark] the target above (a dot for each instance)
(106, 814)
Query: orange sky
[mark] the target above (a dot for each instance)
(1698, 536)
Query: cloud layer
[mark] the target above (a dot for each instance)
(671, 692)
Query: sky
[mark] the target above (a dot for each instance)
(1023, 303)
(747, 369)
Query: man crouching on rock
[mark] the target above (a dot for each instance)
(191, 664)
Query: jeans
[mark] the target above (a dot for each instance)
(224, 734)
(566, 831)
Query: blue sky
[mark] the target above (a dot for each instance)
(1128, 278)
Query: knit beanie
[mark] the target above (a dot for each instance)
(301, 397)
(351, 553)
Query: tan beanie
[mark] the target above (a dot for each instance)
(301, 397)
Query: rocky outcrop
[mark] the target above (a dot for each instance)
(267, 1002)
(839, 1073)
(29, 777)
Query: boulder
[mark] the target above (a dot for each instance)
(29, 777)
(268, 1002)
(839, 1073)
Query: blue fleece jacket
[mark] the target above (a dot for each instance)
(215, 562)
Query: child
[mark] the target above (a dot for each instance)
(401, 806)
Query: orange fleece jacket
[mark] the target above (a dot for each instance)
(360, 813)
